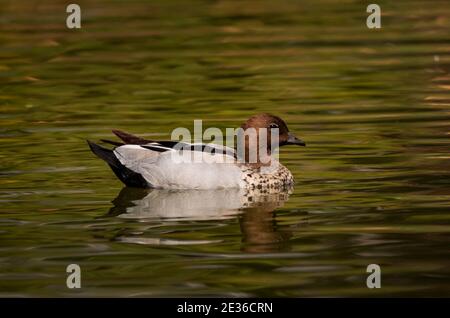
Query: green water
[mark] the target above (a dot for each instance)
(372, 186)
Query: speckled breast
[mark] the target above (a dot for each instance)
(270, 179)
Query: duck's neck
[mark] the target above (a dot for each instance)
(255, 156)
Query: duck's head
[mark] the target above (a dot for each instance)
(269, 122)
(260, 152)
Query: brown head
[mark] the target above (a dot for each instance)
(269, 122)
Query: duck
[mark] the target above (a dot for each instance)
(144, 163)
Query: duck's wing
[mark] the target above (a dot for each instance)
(150, 164)
(114, 143)
(129, 138)
(164, 145)
(197, 167)
(206, 148)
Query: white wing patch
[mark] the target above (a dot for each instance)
(162, 168)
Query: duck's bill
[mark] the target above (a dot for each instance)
(292, 140)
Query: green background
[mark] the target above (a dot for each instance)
(372, 186)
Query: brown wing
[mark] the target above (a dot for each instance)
(130, 139)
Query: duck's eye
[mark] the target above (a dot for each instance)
(273, 125)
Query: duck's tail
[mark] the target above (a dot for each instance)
(127, 176)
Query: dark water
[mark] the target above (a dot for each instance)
(373, 185)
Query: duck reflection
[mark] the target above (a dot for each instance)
(254, 210)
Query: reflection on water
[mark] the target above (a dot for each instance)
(192, 204)
(254, 209)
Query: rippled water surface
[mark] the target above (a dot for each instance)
(373, 185)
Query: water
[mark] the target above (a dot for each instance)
(373, 185)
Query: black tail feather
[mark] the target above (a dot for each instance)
(127, 176)
(105, 154)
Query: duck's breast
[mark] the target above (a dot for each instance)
(271, 178)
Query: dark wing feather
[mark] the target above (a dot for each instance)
(130, 139)
(135, 140)
(114, 143)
